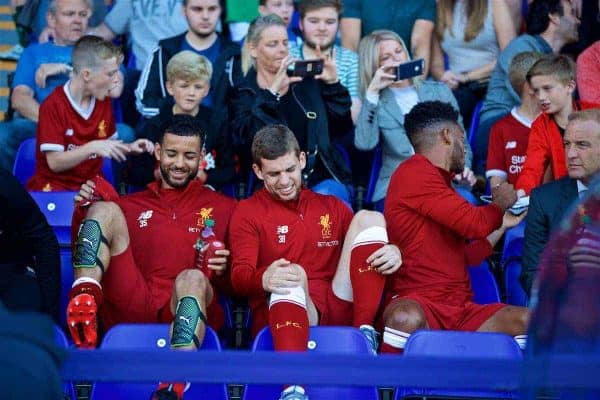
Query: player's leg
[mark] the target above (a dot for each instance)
(192, 293)
(401, 318)
(101, 235)
(355, 279)
(511, 320)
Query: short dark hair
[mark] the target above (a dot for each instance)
(425, 118)
(272, 142)
(561, 67)
(538, 15)
(311, 5)
(90, 51)
(182, 125)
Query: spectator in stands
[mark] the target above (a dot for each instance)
(42, 68)
(188, 81)
(202, 38)
(135, 259)
(387, 101)
(550, 202)
(144, 25)
(552, 79)
(305, 271)
(285, 10)
(314, 109)
(431, 223)
(45, 33)
(510, 135)
(588, 73)
(412, 20)
(550, 25)
(471, 34)
(319, 22)
(76, 127)
(26, 240)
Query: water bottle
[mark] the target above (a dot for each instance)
(207, 237)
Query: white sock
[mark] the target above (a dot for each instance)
(521, 341)
(395, 338)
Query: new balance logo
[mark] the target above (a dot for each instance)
(511, 145)
(187, 320)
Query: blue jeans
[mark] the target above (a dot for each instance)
(12, 133)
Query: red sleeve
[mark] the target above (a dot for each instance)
(477, 251)
(588, 70)
(538, 157)
(433, 198)
(495, 160)
(51, 128)
(244, 235)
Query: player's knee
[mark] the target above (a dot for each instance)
(406, 319)
(191, 281)
(104, 210)
(365, 219)
(521, 320)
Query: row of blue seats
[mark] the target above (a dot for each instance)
(324, 340)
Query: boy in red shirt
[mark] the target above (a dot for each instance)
(301, 257)
(552, 80)
(135, 259)
(509, 136)
(76, 128)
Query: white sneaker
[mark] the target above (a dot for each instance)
(12, 54)
(371, 335)
(294, 393)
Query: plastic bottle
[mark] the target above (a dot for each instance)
(207, 236)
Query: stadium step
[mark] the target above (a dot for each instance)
(8, 38)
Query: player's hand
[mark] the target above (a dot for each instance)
(329, 74)
(114, 149)
(510, 220)
(86, 193)
(467, 177)
(280, 275)
(218, 264)
(386, 260)
(504, 195)
(282, 81)
(49, 69)
(141, 146)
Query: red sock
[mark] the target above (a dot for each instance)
(389, 349)
(367, 284)
(289, 326)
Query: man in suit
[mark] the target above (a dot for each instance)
(549, 203)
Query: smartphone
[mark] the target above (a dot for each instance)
(409, 69)
(304, 68)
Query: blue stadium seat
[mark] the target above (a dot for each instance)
(513, 242)
(334, 188)
(66, 282)
(483, 284)
(515, 294)
(58, 209)
(375, 168)
(461, 345)
(24, 165)
(61, 341)
(322, 339)
(147, 337)
(474, 125)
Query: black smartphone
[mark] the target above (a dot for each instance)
(409, 69)
(304, 68)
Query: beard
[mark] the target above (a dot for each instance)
(457, 163)
(167, 178)
(324, 48)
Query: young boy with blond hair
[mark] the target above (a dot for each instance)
(552, 80)
(188, 82)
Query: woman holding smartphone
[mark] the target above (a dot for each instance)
(314, 108)
(386, 101)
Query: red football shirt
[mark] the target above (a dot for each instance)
(431, 223)
(508, 147)
(309, 232)
(63, 126)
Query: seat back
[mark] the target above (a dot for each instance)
(513, 242)
(474, 124)
(58, 208)
(148, 337)
(483, 284)
(24, 165)
(455, 344)
(334, 188)
(375, 169)
(60, 339)
(515, 294)
(66, 282)
(322, 339)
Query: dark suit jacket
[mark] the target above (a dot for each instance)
(547, 206)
